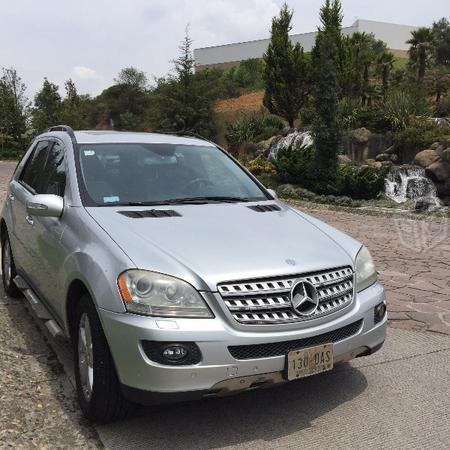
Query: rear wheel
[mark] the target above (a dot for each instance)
(98, 387)
(8, 269)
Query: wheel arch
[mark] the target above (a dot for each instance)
(75, 291)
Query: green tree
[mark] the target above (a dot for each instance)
(47, 107)
(385, 64)
(326, 128)
(421, 50)
(74, 109)
(441, 39)
(14, 105)
(183, 101)
(129, 97)
(132, 77)
(287, 72)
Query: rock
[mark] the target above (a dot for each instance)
(434, 145)
(385, 164)
(426, 158)
(286, 130)
(344, 160)
(439, 171)
(446, 155)
(383, 157)
(263, 147)
(247, 151)
(376, 165)
(390, 150)
(361, 135)
(425, 204)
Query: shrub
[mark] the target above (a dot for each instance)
(416, 137)
(259, 167)
(294, 165)
(253, 129)
(360, 183)
(354, 115)
(401, 107)
(443, 108)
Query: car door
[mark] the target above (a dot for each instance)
(22, 190)
(48, 253)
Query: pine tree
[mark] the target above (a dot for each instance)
(47, 107)
(287, 72)
(326, 71)
(182, 101)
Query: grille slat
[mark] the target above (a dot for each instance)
(255, 351)
(268, 301)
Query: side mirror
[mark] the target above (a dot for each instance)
(46, 205)
(272, 193)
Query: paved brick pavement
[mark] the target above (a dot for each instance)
(413, 260)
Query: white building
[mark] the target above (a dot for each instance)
(229, 55)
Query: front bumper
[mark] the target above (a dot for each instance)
(218, 372)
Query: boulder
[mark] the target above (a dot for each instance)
(263, 147)
(434, 145)
(247, 151)
(439, 171)
(361, 135)
(426, 157)
(446, 155)
(383, 157)
(344, 160)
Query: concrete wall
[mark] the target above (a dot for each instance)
(228, 55)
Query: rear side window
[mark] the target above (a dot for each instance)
(32, 173)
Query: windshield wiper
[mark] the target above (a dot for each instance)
(208, 199)
(183, 201)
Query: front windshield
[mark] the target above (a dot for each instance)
(161, 173)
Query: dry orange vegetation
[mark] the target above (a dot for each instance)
(252, 101)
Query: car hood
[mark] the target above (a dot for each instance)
(211, 243)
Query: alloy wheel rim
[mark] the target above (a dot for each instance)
(6, 260)
(85, 356)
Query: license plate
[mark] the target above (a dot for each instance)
(309, 361)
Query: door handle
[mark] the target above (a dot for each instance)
(11, 197)
(29, 219)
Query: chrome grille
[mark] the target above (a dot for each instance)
(268, 301)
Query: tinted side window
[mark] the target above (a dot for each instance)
(33, 169)
(53, 177)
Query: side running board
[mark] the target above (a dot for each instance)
(38, 308)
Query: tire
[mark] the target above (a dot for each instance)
(98, 388)
(8, 268)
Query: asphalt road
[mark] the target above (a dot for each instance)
(397, 398)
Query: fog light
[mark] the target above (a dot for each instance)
(379, 312)
(175, 352)
(172, 353)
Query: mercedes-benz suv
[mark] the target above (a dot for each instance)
(175, 273)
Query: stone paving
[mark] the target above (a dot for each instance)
(413, 260)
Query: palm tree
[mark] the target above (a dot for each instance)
(385, 64)
(420, 50)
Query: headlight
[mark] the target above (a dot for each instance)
(155, 294)
(366, 274)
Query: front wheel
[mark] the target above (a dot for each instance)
(8, 269)
(98, 387)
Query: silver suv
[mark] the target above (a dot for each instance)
(175, 274)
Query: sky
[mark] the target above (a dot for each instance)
(91, 40)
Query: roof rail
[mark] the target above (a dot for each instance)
(185, 133)
(59, 128)
(64, 128)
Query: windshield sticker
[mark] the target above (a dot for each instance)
(112, 199)
(89, 153)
